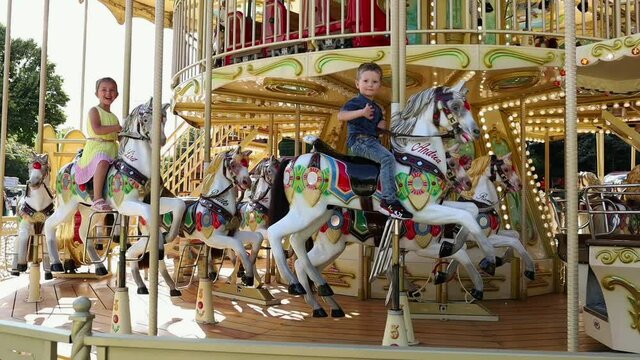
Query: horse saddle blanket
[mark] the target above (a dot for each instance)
(363, 173)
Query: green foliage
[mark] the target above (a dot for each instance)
(17, 159)
(24, 90)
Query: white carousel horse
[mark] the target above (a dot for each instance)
(33, 208)
(125, 188)
(354, 226)
(212, 218)
(485, 171)
(314, 182)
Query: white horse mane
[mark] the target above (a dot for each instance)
(404, 121)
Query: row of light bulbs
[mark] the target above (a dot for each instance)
(531, 177)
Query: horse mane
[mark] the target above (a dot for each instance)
(478, 167)
(404, 121)
(211, 173)
(586, 178)
(128, 122)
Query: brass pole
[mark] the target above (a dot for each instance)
(156, 187)
(84, 62)
(524, 167)
(43, 77)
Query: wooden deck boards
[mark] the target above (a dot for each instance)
(538, 323)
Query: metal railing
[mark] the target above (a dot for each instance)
(247, 29)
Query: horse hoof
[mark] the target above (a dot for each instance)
(15, 273)
(325, 290)
(22, 267)
(319, 313)
(48, 275)
(143, 291)
(337, 313)
(446, 249)
(499, 261)
(488, 267)
(531, 275)
(175, 292)
(247, 281)
(100, 271)
(477, 294)
(213, 276)
(296, 289)
(441, 278)
(57, 267)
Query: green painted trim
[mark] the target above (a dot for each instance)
(193, 83)
(609, 283)
(220, 75)
(290, 62)
(493, 55)
(323, 60)
(601, 49)
(462, 56)
(626, 256)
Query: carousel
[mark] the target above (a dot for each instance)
(270, 238)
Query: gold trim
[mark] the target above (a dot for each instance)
(626, 256)
(609, 283)
(288, 86)
(323, 60)
(493, 81)
(493, 55)
(462, 56)
(290, 62)
(226, 75)
(192, 83)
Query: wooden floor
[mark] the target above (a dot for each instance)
(539, 323)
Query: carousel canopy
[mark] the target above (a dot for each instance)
(142, 9)
(610, 66)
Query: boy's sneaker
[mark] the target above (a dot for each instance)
(396, 210)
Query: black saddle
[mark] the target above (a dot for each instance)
(363, 173)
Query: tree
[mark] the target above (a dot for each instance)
(24, 87)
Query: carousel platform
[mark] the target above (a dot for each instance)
(538, 323)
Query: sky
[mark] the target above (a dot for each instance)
(105, 51)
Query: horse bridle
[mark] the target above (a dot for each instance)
(451, 176)
(263, 176)
(496, 170)
(442, 98)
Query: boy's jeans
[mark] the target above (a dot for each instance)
(370, 148)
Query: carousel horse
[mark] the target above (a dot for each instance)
(33, 209)
(356, 226)
(126, 186)
(485, 172)
(306, 187)
(212, 218)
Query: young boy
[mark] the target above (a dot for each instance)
(363, 118)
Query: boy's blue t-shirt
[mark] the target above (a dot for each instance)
(362, 125)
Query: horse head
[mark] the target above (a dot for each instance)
(457, 174)
(139, 124)
(504, 172)
(452, 103)
(236, 164)
(39, 170)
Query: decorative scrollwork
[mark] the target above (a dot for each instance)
(292, 63)
(323, 60)
(611, 281)
(599, 50)
(228, 75)
(626, 256)
(462, 56)
(495, 54)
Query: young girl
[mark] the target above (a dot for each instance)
(101, 147)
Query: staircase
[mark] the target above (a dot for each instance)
(183, 157)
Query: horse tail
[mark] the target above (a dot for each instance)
(279, 204)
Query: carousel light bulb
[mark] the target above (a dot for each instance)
(616, 105)
(498, 188)
(490, 153)
(503, 207)
(546, 226)
(507, 226)
(506, 217)
(531, 182)
(488, 145)
(486, 136)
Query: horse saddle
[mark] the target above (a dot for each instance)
(363, 173)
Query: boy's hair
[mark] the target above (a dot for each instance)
(106, 79)
(370, 66)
